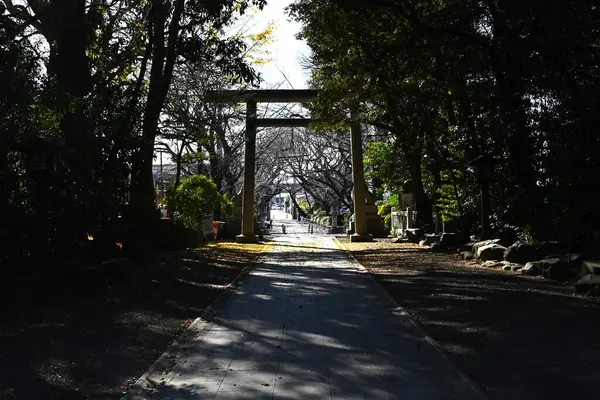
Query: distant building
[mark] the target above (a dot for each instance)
(163, 179)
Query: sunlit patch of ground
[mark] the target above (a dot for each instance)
(386, 244)
(299, 247)
(230, 248)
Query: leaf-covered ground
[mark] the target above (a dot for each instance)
(93, 334)
(516, 337)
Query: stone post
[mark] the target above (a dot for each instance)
(358, 178)
(334, 213)
(248, 235)
(409, 222)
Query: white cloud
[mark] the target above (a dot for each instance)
(286, 51)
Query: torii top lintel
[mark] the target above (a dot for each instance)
(262, 96)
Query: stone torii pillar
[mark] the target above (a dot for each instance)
(251, 98)
(358, 177)
(247, 235)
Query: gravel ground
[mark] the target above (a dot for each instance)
(516, 337)
(90, 336)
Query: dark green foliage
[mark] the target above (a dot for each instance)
(195, 199)
(385, 209)
(449, 81)
(94, 75)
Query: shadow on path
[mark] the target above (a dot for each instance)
(306, 325)
(518, 338)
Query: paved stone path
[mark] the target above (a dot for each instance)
(308, 325)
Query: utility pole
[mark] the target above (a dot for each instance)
(162, 184)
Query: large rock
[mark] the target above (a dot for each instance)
(511, 267)
(450, 239)
(532, 268)
(490, 252)
(414, 235)
(439, 248)
(557, 269)
(588, 284)
(428, 240)
(562, 267)
(477, 245)
(573, 259)
(591, 267)
(520, 252)
(491, 264)
(508, 266)
(467, 246)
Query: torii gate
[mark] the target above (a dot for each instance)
(252, 98)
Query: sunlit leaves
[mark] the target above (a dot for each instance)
(256, 249)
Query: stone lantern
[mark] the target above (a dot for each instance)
(334, 212)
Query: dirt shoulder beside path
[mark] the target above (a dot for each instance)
(516, 337)
(90, 337)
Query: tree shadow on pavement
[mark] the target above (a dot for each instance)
(516, 337)
(300, 331)
(90, 336)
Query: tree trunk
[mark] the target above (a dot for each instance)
(178, 167)
(423, 205)
(161, 72)
(228, 177)
(300, 211)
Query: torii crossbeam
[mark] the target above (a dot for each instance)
(252, 98)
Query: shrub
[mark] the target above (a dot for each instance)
(195, 199)
(385, 209)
